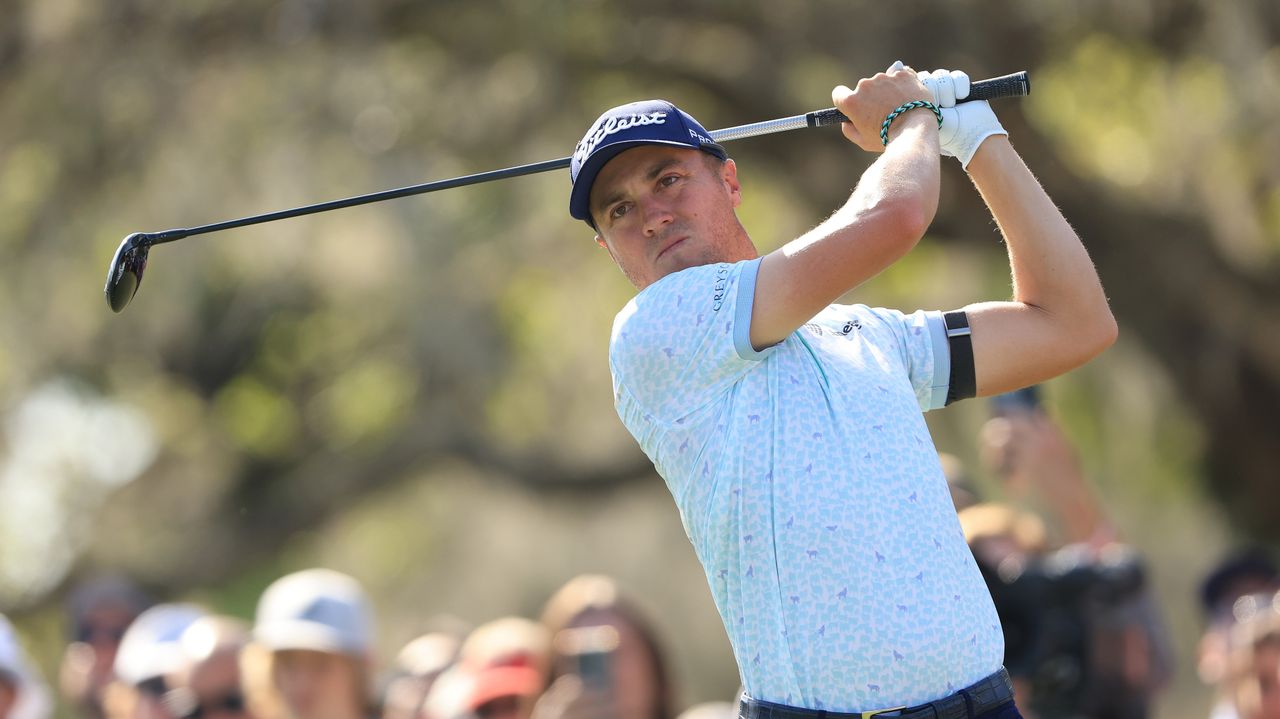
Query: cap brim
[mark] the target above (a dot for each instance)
(143, 663)
(498, 682)
(283, 635)
(580, 196)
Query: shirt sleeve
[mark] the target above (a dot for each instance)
(684, 341)
(921, 338)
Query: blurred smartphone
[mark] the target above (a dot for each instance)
(589, 652)
(1022, 400)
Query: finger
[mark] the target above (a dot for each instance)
(930, 83)
(944, 88)
(1022, 432)
(851, 132)
(870, 144)
(897, 65)
(995, 433)
(839, 93)
(961, 80)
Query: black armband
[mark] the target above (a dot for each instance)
(963, 383)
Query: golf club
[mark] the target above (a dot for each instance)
(125, 273)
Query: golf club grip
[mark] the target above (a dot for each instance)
(1016, 84)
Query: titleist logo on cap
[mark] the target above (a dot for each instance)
(615, 125)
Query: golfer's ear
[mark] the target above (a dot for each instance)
(600, 241)
(729, 173)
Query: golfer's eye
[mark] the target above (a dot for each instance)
(668, 180)
(619, 210)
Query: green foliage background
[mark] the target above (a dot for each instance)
(416, 392)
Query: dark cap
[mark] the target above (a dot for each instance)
(648, 122)
(1221, 584)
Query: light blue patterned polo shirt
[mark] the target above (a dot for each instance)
(811, 490)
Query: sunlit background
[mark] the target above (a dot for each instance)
(416, 392)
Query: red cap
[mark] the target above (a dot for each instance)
(491, 683)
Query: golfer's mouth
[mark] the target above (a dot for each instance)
(670, 247)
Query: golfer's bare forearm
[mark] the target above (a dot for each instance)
(1059, 317)
(885, 217)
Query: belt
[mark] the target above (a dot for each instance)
(981, 697)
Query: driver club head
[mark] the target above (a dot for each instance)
(125, 273)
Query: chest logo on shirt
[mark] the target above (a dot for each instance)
(848, 327)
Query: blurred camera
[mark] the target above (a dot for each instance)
(1058, 612)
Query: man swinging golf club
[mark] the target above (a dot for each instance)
(789, 429)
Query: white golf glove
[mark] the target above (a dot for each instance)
(966, 125)
(947, 86)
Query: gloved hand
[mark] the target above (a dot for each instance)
(947, 86)
(966, 125)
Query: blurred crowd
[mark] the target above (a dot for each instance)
(309, 653)
(1084, 636)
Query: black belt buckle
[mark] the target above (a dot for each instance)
(870, 714)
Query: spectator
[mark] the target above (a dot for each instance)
(1252, 683)
(606, 659)
(1038, 466)
(22, 692)
(1085, 602)
(958, 482)
(1005, 541)
(207, 685)
(260, 695)
(418, 665)
(149, 654)
(1000, 534)
(1240, 573)
(99, 610)
(317, 626)
(500, 672)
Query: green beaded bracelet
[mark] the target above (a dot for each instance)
(888, 120)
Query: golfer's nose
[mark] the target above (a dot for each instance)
(656, 215)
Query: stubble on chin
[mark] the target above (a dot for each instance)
(676, 260)
(689, 253)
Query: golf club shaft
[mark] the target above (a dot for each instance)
(157, 238)
(1013, 85)
(1017, 84)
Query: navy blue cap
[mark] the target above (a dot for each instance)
(648, 122)
(1244, 564)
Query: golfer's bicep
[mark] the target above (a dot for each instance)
(1016, 345)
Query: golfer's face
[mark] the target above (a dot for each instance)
(662, 209)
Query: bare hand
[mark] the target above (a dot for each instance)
(874, 98)
(1034, 457)
(1028, 451)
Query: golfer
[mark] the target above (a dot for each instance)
(789, 429)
